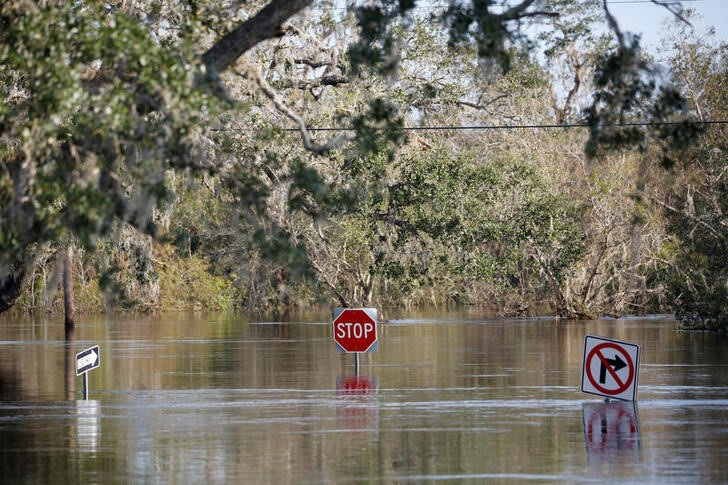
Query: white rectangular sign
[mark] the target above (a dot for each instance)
(610, 368)
(88, 359)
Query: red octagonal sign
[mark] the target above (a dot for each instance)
(355, 329)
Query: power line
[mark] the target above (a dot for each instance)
(650, 1)
(434, 5)
(520, 127)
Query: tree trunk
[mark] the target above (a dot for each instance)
(68, 288)
(12, 287)
(264, 25)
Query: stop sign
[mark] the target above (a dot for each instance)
(355, 329)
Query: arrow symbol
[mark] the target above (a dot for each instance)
(617, 363)
(88, 359)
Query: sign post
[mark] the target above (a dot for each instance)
(611, 368)
(355, 331)
(85, 361)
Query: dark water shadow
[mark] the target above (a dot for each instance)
(69, 366)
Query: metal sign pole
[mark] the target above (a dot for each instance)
(356, 364)
(85, 386)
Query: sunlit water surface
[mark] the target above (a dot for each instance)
(449, 397)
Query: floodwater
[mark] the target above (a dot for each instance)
(452, 397)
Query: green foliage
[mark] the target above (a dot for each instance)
(574, 27)
(496, 212)
(700, 279)
(701, 283)
(189, 284)
(477, 23)
(699, 201)
(100, 112)
(105, 126)
(126, 273)
(433, 226)
(626, 96)
(377, 46)
(377, 129)
(132, 274)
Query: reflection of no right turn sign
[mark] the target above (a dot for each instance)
(610, 368)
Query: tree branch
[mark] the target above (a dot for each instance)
(515, 11)
(308, 144)
(698, 221)
(266, 24)
(331, 80)
(325, 278)
(313, 64)
(674, 8)
(519, 11)
(613, 25)
(478, 105)
(578, 74)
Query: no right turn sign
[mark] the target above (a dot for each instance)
(610, 368)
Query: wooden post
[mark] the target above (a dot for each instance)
(68, 288)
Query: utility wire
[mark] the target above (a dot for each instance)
(432, 6)
(650, 1)
(518, 127)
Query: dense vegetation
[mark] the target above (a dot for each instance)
(145, 151)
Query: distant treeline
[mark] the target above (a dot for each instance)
(156, 177)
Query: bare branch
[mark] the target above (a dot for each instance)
(516, 11)
(331, 80)
(613, 25)
(674, 8)
(535, 13)
(479, 105)
(308, 144)
(313, 64)
(579, 67)
(698, 221)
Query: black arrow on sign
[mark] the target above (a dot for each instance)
(616, 362)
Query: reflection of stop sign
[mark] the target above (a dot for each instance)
(355, 329)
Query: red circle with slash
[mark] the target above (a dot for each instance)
(597, 352)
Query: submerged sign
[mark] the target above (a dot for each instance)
(87, 359)
(355, 329)
(610, 368)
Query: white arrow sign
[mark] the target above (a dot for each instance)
(87, 360)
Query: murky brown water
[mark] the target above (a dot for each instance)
(446, 398)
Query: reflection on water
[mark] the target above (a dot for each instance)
(451, 397)
(357, 406)
(69, 364)
(88, 419)
(611, 432)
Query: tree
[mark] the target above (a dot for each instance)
(96, 112)
(102, 102)
(696, 208)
